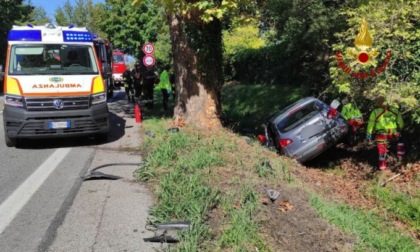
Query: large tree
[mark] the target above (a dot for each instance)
(196, 35)
(82, 14)
(13, 12)
(39, 16)
(129, 28)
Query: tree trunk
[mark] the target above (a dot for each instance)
(197, 57)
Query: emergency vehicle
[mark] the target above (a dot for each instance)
(118, 67)
(53, 85)
(103, 50)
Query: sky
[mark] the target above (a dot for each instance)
(51, 5)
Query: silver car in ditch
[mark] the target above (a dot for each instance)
(305, 129)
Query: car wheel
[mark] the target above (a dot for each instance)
(10, 142)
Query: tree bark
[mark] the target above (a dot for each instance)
(197, 70)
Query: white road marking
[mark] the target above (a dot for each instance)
(17, 200)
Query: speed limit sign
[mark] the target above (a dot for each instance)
(148, 48)
(149, 60)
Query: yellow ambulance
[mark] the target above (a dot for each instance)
(53, 85)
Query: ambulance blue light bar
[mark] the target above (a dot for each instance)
(24, 35)
(77, 36)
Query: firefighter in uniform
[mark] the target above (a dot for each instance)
(150, 79)
(387, 124)
(137, 79)
(128, 86)
(354, 117)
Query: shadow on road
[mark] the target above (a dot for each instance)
(120, 112)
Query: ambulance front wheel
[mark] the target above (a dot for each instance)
(10, 142)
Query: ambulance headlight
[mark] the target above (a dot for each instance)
(98, 98)
(13, 100)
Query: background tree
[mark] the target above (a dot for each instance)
(239, 40)
(64, 15)
(196, 36)
(129, 28)
(303, 33)
(82, 14)
(393, 25)
(14, 12)
(39, 16)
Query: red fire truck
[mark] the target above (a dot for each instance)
(118, 67)
(104, 52)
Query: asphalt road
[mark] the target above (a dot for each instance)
(45, 205)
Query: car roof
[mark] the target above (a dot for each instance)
(275, 118)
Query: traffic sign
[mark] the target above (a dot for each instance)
(149, 60)
(148, 48)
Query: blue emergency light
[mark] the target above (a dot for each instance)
(77, 36)
(24, 35)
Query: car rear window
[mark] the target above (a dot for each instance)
(298, 116)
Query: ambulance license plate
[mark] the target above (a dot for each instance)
(59, 125)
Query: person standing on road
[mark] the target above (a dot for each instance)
(150, 78)
(387, 123)
(165, 87)
(128, 86)
(137, 77)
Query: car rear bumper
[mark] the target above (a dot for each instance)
(319, 144)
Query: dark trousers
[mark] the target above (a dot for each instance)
(137, 90)
(148, 94)
(165, 99)
(129, 92)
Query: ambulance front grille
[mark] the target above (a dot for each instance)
(47, 103)
(80, 125)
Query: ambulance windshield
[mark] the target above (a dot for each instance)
(47, 59)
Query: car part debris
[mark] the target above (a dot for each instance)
(167, 232)
(174, 129)
(272, 194)
(94, 175)
(177, 225)
(150, 133)
(161, 239)
(100, 175)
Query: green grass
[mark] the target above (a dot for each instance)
(185, 169)
(240, 228)
(397, 205)
(181, 166)
(250, 105)
(374, 232)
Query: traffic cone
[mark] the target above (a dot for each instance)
(137, 113)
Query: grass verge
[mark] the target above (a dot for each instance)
(374, 232)
(184, 169)
(197, 175)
